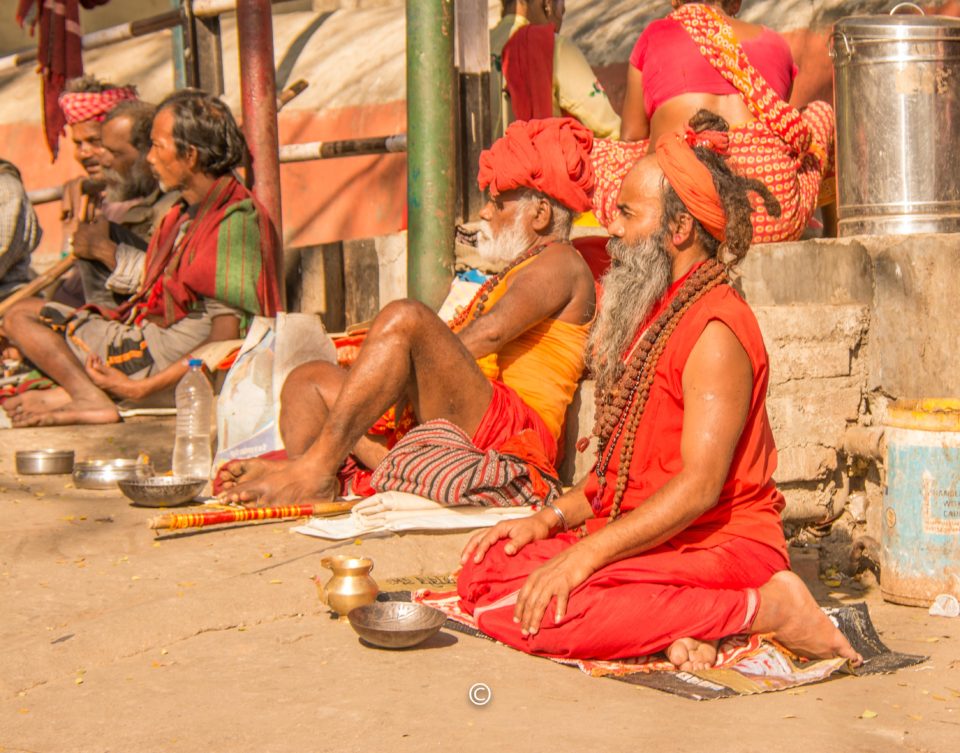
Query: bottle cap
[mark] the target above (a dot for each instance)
(195, 362)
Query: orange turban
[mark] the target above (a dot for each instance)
(551, 156)
(691, 179)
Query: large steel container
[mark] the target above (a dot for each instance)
(897, 88)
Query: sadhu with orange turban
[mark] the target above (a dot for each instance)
(491, 388)
(550, 156)
(673, 540)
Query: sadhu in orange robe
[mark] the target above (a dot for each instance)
(702, 582)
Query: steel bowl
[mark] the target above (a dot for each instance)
(395, 624)
(161, 491)
(104, 474)
(35, 462)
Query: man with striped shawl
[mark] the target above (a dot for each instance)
(209, 268)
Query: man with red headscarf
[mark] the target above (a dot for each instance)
(502, 373)
(679, 542)
(210, 268)
(83, 105)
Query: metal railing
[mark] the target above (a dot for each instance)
(130, 30)
(304, 152)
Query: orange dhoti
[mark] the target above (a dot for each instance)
(632, 608)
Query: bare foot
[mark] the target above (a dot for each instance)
(244, 470)
(36, 401)
(288, 486)
(691, 655)
(74, 412)
(789, 611)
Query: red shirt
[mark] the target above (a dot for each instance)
(672, 64)
(749, 504)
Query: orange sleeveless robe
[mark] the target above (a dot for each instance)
(542, 365)
(697, 584)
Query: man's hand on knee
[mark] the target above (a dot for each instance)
(555, 580)
(519, 532)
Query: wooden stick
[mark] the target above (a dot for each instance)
(85, 215)
(37, 284)
(203, 518)
(290, 93)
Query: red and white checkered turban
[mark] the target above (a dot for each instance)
(80, 106)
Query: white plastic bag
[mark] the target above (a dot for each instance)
(248, 409)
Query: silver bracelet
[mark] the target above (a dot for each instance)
(560, 515)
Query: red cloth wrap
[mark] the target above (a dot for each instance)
(528, 71)
(80, 106)
(507, 417)
(633, 607)
(177, 275)
(59, 55)
(551, 156)
(691, 179)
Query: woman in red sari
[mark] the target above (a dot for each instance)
(701, 57)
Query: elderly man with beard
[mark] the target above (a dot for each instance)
(110, 249)
(507, 365)
(209, 269)
(680, 542)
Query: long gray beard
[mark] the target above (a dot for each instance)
(508, 245)
(637, 279)
(139, 183)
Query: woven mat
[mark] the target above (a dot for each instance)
(747, 664)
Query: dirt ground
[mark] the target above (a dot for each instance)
(114, 640)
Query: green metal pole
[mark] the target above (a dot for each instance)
(431, 150)
(179, 66)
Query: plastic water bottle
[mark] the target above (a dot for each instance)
(191, 450)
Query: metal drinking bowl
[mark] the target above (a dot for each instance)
(32, 462)
(104, 474)
(395, 624)
(161, 491)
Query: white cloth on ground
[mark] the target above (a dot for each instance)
(392, 512)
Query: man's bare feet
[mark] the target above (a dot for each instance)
(692, 655)
(74, 412)
(36, 401)
(289, 486)
(245, 470)
(789, 611)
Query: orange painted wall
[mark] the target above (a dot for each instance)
(354, 197)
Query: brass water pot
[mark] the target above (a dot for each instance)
(351, 585)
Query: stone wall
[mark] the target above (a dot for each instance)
(850, 325)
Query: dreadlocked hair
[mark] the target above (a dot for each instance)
(734, 192)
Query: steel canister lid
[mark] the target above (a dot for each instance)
(898, 27)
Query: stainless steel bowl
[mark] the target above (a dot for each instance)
(34, 462)
(395, 624)
(104, 474)
(162, 491)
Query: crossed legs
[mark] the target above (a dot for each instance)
(80, 402)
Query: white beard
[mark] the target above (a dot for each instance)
(508, 245)
(638, 278)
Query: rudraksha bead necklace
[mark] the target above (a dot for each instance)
(620, 410)
(475, 308)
